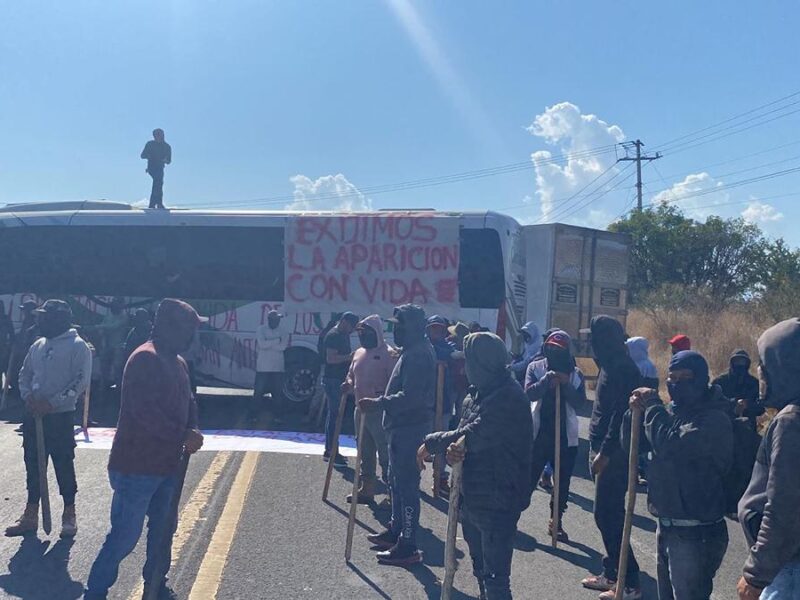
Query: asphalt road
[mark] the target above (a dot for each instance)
(253, 526)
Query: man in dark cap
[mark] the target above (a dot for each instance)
(408, 406)
(498, 430)
(337, 357)
(691, 444)
(158, 154)
(157, 429)
(740, 387)
(54, 375)
(617, 379)
(140, 332)
(769, 511)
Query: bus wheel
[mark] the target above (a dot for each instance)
(302, 373)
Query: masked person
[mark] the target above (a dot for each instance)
(556, 369)
(114, 329)
(368, 377)
(498, 430)
(157, 428)
(679, 343)
(617, 379)
(271, 343)
(532, 345)
(140, 333)
(54, 375)
(638, 349)
(338, 354)
(740, 387)
(691, 448)
(768, 511)
(408, 407)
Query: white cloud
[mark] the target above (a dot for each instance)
(760, 213)
(571, 132)
(329, 192)
(684, 194)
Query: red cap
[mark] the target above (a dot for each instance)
(681, 342)
(559, 339)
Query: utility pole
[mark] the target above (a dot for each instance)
(638, 145)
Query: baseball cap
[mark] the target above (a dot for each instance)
(437, 320)
(681, 342)
(349, 317)
(274, 314)
(459, 329)
(558, 338)
(53, 307)
(28, 305)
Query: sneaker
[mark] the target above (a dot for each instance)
(400, 555)
(385, 504)
(326, 456)
(165, 593)
(629, 594)
(339, 461)
(562, 535)
(69, 522)
(546, 483)
(362, 498)
(601, 583)
(383, 540)
(27, 523)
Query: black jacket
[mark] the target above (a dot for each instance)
(499, 442)
(692, 452)
(742, 386)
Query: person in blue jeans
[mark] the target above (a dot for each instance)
(157, 429)
(338, 355)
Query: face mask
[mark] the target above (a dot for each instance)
(51, 326)
(368, 338)
(400, 334)
(684, 393)
(273, 323)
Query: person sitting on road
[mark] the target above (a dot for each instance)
(498, 430)
(408, 404)
(679, 343)
(556, 368)
(768, 511)
(55, 374)
(741, 388)
(338, 354)
(271, 343)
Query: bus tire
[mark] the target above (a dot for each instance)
(301, 376)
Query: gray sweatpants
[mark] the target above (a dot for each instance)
(374, 443)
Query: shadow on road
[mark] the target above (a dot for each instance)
(34, 573)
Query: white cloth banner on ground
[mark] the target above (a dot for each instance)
(371, 263)
(287, 442)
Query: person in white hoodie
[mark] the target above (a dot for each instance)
(54, 375)
(271, 342)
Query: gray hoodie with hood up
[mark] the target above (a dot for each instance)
(769, 511)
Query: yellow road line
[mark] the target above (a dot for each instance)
(206, 585)
(192, 511)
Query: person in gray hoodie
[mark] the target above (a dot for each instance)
(54, 375)
(769, 511)
(408, 406)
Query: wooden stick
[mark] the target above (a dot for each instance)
(351, 523)
(4, 398)
(450, 564)
(41, 458)
(334, 447)
(633, 463)
(86, 399)
(437, 460)
(556, 513)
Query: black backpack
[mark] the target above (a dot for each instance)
(746, 442)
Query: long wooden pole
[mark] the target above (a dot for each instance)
(334, 447)
(633, 463)
(351, 523)
(44, 492)
(556, 513)
(450, 564)
(437, 460)
(86, 399)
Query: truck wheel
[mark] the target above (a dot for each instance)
(301, 375)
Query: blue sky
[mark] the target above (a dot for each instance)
(269, 104)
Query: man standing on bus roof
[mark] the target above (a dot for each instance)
(338, 354)
(271, 342)
(158, 153)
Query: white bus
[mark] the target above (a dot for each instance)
(237, 266)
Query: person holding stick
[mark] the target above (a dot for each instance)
(555, 369)
(497, 425)
(408, 405)
(54, 374)
(338, 354)
(367, 378)
(691, 444)
(617, 379)
(157, 428)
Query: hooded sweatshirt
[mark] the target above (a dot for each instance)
(371, 368)
(618, 377)
(271, 344)
(740, 385)
(496, 422)
(531, 348)
(638, 348)
(58, 369)
(410, 396)
(691, 449)
(773, 496)
(157, 407)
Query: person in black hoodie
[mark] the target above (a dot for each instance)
(691, 445)
(408, 406)
(498, 429)
(769, 511)
(617, 379)
(740, 387)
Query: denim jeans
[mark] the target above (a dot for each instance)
(688, 559)
(333, 394)
(404, 478)
(490, 537)
(786, 585)
(136, 497)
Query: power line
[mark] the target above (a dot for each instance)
(589, 201)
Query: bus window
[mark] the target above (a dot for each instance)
(481, 276)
